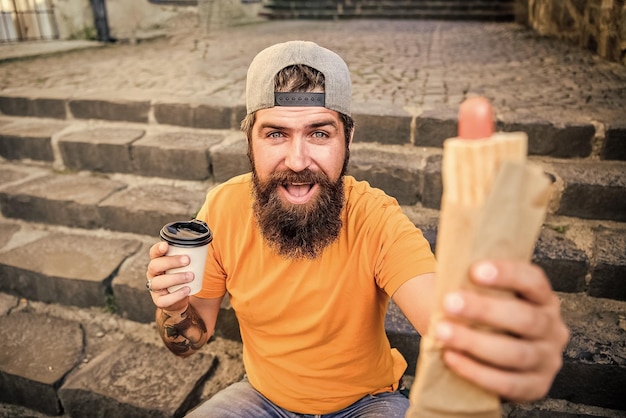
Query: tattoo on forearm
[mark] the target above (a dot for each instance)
(184, 334)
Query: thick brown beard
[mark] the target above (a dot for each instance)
(298, 231)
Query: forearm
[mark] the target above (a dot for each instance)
(183, 332)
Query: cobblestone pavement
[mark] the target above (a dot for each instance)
(415, 65)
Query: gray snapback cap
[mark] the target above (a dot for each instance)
(267, 63)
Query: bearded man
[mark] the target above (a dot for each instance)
(310, 257)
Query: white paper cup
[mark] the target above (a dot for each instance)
(191, 238)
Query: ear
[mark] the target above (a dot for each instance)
(351, 136)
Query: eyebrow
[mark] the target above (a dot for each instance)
(314, 125)
(324, 123)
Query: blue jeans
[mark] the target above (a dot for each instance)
(241, 400)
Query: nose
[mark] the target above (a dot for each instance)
(298, 157)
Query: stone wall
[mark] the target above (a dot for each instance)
(74, 19)
(127, 19)
(216, 14)
(598, 25)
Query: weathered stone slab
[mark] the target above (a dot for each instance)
(32, 139)
(33, 106)
(203, 116)
(546, 138)
(432, 127)
(179, 155)
(565, 264)
(136, 380)
(67, 269)
(12, 173)
(178, 114)
(608, 276)
(34, 361)
(239, 113)
(433, 185)
(594, 369)
(6, 232)
(132, 299)
(58, 199)
(145, 209)
(230, 158)
(557, 408)
(7, 303)
(9, 175)
(382, 128)
(208, 116)
(395, 170)
(614, 147)
(593, 190)
(100, 149)
(110, 109)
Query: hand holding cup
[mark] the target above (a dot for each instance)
(177, 263)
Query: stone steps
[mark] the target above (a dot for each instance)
(407, 166)
(86, 362)
(85, 189)
(498, 10)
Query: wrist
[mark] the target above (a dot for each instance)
(174, 313)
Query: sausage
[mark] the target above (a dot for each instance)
(476, 119)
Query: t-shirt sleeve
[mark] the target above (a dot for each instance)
(403, 252)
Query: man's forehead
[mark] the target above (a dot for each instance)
(297, 116)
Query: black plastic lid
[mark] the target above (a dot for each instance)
(193, 233)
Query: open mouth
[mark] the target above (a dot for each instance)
(298, 193)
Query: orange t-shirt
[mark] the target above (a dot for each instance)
(313, 330)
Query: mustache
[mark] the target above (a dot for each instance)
(279, 178)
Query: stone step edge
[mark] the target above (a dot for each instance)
(383, 8)
(410, 174)
(454, 6)
(279, 13)
(284, 12)
(390, 3)
(419, 127)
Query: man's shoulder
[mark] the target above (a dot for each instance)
(368, 203)
(237, 184)
(362, 191)
(245, 178)
(232, 194)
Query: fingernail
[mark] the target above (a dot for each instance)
(189, 276)
(184, 259)
(443, 331)
(454, 303)
(485, 272)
